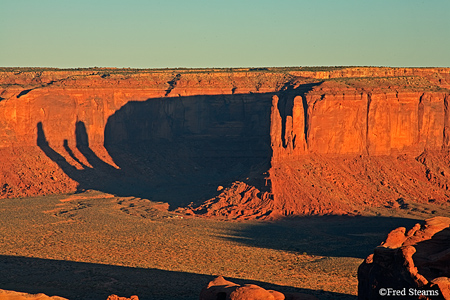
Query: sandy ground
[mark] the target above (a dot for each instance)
(91, 245)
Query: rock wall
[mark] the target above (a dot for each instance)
(62, 131)
(179, 134)
(352, 143)
(342, 120)
(61, 99)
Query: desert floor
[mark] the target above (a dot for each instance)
(91, 245)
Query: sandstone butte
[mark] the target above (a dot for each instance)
(276, 141)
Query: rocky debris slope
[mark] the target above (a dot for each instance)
(414, 263)
(238, 202)
(222, 289)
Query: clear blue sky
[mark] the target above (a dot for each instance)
(218, 33)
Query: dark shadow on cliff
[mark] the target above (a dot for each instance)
(186, 147)
(286, 104)
(336, 236)
(99, 176)
(87, 281)
(177, 149)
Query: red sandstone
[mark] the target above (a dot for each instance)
(221, 288)
(418, 259)
(337, 140)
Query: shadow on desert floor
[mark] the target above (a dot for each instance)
(87, 281)
(336, 236)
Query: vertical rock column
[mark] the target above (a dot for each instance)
(294, 133)
(275, 130)
(298, 127)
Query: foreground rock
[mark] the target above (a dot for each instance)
(12, 295)
(412, 264)
(222, 289)
(115, 297)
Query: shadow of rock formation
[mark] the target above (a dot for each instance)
(176, 150)
(87, 281)
(332, 236)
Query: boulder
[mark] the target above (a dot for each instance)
(115, 297)
(412, 264)
(218, 289)
(221, 289)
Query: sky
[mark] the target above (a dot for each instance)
(217, 33)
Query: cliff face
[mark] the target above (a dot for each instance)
(347, 121)
(160, 135)
(359, 142)
(179, 134)
(61, 100)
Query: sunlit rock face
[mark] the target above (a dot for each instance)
(334, 118)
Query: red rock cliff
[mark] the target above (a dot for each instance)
(335, 118)
(334, 137)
